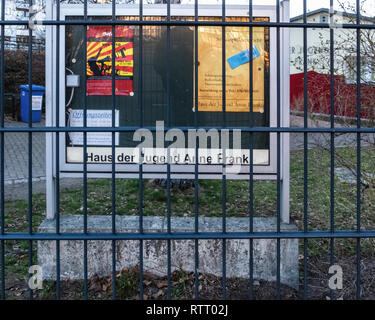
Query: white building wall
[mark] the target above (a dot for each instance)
(318, 48)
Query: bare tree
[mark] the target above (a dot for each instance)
(345, 93)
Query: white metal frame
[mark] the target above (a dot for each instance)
(156, 171)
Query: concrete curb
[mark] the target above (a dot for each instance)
(17, 181)
(182, 251)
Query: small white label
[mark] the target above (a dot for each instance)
(37, 103)
(95, 118)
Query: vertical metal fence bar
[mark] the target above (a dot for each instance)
(305, 155)
(113, 75)
(196, 182)
(85, 267)
(332, 185)
(358, 38)
(278, 149)
(2, 191)
(57, 164)
(224, 188)
(113, 269)
(168, 150)
(140, 105)
(251, 166)
(113, 180)
(30, 143)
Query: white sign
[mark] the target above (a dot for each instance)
(37, 103)
(175, 156)
(95, 118)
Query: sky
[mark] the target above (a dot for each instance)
(296, 6)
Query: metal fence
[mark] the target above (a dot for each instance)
(168, 236)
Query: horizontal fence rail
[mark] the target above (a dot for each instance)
(189, 23)
(188, 235)
(153, 129)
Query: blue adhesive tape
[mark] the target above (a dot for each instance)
(242, 57)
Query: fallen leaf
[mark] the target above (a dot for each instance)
(158, 294)
(136, 268)
(162, 284)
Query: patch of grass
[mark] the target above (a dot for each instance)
(48, 291)
(127, 284)
(182, 280)
(16, 265)
(99, 201)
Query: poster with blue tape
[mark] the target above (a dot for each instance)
(242, 57)
(237, 69)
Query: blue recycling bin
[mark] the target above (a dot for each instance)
(36, 99)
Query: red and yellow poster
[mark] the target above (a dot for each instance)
(99, 60)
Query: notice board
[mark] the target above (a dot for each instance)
(177, 109)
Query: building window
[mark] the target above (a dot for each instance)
(323, 19)
(22, 13)
(22, 39)
(367, 69)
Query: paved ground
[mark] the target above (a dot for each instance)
(324, 140)
(16, 156)
(16, 163)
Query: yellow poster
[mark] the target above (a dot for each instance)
(236, 69)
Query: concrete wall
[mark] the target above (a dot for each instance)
(182, 251)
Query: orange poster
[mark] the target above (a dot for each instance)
(236, 69)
